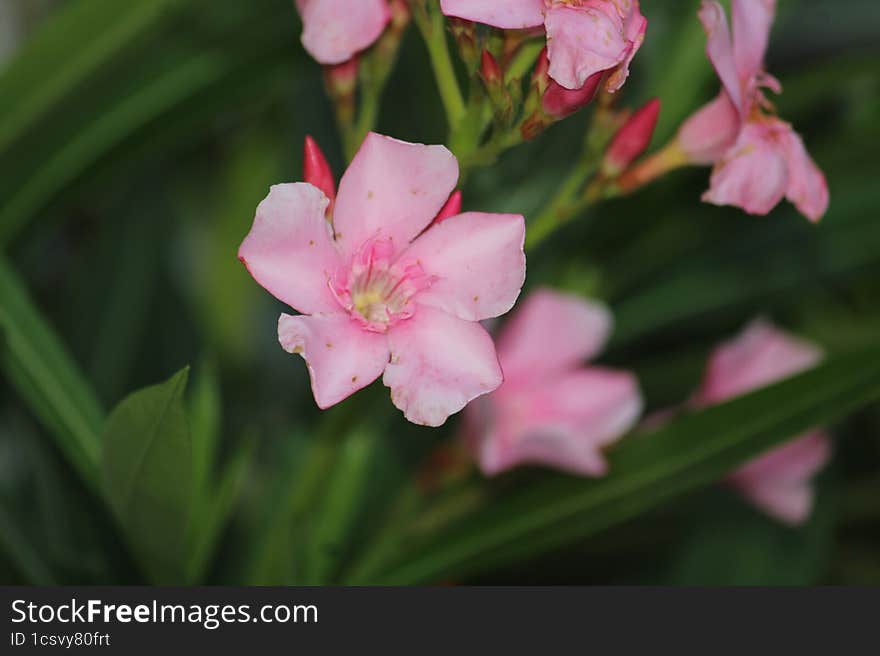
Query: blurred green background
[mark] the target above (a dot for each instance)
(136, 139)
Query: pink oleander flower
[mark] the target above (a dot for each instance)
(778, 482)
(334, 31)
(584, 37)
(552, 410)
(759, 159)
(380, 294)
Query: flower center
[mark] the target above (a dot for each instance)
(375, 290)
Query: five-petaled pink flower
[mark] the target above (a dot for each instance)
(759, 159)
(378, 292)
(552, 410)
(584, 37)
(334, 31)
(778, 482)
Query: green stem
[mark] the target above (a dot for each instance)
(564, 206)
(569, 200)
(523, 60)
(434, 32)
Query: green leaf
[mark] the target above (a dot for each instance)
(105, 113)
(48, 67)
(334, 517)
(647, 470)
(37, 365)
(24, 556)
(216, 510)
(147, 467)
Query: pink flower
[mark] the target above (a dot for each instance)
(778, 482)
(759, 159)
(584, 37)
(380, 294)
(334, 31)
(550, 409)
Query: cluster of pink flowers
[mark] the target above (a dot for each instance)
(759, 159)
(391, 279)
(585, 38)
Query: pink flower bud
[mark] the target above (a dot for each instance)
(316, 171)
(451, 208)
(632, 139)
(560, 102)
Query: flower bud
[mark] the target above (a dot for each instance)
(465, 34)
(560, 102)
(451, 208)
(550, 102)
(316, 171)
(631, 140)
(490, 71)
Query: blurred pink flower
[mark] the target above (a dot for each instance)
(759, 159)
(334, 31)
(778, 482)
(551, 410)
(584, 37)
(380, 294)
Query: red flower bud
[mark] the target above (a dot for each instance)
(451, 208)
(632, 139)
(489, 70)
(541, 74)
(316, 171)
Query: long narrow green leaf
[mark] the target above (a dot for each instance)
(37, 365)
(48, 67)
(99, 137)
(646, 470)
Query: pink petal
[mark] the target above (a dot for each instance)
(551, 333)
(807, 187)
(335, 30)
(753, 175)
(475, 263)
(439, 363)
(289, 249)
(779, 482)
(720, 49)
(797, 460)
(711, 131)
(341, 357)
(790, 503)
(506, 14)
(761, 355)
(392, 189)
(635, 27)
(752, 20)
(582, 41)
(563, 423)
